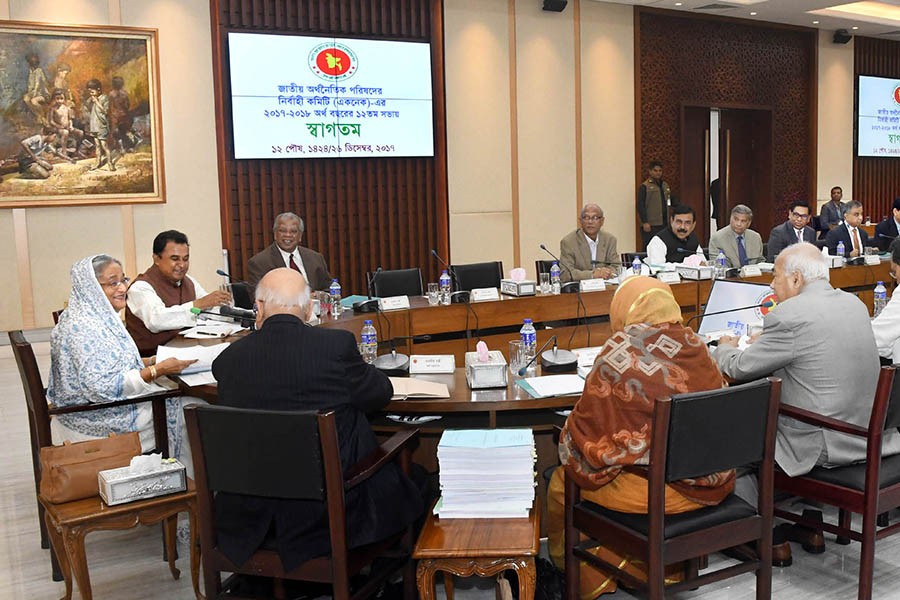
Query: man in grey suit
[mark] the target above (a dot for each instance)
(741, 245)
(286, 251)
(794, 230)
(588, 253)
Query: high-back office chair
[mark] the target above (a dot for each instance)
(237, 450)
(542, 266)
(478, 275)
(399, 282)
(242, 294)
(628, 257)
(693, 434)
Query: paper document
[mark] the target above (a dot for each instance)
(198, 379)
(486, 438)
(409, 387)
(205, 356)
(552, 385)
(211, 329)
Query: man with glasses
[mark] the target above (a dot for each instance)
(161, 298)
(854, 237)
(795, 229)
(587, 252)
(741, 245)
(886, 325)
(677, 241)
(286, 251)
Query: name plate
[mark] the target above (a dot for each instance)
(669, 277)
(592, 285)
(431, 363)
(872, 259)
(393, 303)
(482, 294)
(750, 271)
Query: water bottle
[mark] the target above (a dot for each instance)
(880, 298)
(335, 298)
(554, 279)
(721, 265)
(636, 266)
(840, 249)
(369, 338)
(529, 344)
(445, 287)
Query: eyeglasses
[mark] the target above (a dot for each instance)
(591, 218)
(114, 284)
(797, 215)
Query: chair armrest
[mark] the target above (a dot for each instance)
(812, 418)
(64, 410)
(378, 458)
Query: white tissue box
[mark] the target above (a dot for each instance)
(118, 486)
(488, 374)
(510, 287)
(695, 273)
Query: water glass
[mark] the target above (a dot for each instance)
(516, 356)
(226, 287)
(545, 283)
(433, 294)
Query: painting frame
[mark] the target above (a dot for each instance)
(87, 128)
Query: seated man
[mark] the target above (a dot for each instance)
(286, 365)
(888, 230)
(832, 213)
(588, 253)
(160, 299)
(677, 241)
(286, 251)
(741, 245)
(794, 230)
(854, 237)
(886, 326)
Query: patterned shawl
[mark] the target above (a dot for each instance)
(651, 355)
(90, 352)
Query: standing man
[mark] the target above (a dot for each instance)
(741, 245)
(677, 241)
(854, 237)
(286, 251)
(588, 253)
(653, 200)
(794, 230)
(888, 230)
(832, 212)
(286, 365)
(161, 298)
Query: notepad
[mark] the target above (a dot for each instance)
(205, 356)
(552, 385)
(408, 388)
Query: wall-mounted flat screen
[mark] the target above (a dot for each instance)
(316, 97)
(877, 116)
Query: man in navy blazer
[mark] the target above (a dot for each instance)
(888, 230)
(847, 232)
(794, 230)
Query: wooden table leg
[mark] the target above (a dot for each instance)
(448, 584)
(195, 553)
(57, 547)
(170, 529)
(73, 541)
(425, 579)
(526, 573)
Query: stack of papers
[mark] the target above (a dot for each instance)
(211, 329)
(199, 373)
(548, 386)
(486, 473)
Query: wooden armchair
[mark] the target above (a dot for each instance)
(868, 488)
(238, 450)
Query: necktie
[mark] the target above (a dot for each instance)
(799, 235)
(856, 243)
(292, 264)
(742, 251)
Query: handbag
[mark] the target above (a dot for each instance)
(69, 472)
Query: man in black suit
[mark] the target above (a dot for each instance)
(286, 365)
(889, 229)
(854, 237)
(286, 251)
(794, 230)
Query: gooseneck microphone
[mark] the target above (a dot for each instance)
(766, 304)
(224, 274)
(569, 284)
(524, 368)
(227, 311)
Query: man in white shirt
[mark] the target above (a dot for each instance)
(886, 326)
(854, 237)
(588, 252)
(160, 299)
(676, 242)
(286, 251)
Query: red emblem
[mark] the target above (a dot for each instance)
(897, 94)
(770, 298)
(334, 61)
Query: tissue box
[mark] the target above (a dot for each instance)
(118, 486)
(510, 287)
(695, 273)
(489, 374)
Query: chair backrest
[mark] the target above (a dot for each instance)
(628, 257)
(892, 412)
(542, 266)
(56, 314)
(719, 429)
(242, 294)
(398, 282)
(478, 275)
(33, 387)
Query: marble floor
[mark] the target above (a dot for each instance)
(128, 564)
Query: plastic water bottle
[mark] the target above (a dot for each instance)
(721, 265)
(529, 344)
(335, 297)
(840, 249)
(880, 298)
(369, 338)
(636, 266)
(445, 287)
(554, 278)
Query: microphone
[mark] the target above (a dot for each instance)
(370, 305)
(766, 304)
(887, 237)
(524, 368)
(223, 274)
(556, 360)
(568, 287)
(372, 279)
(459, 296)
(247, 318)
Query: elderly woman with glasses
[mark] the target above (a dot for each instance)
(94, 360)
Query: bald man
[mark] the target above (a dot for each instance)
(588, 252)
(287, 365)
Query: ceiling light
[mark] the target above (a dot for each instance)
(753, 14)
(815, 22)
(854, 27)
(678, 4)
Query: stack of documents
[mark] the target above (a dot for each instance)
(548, 386)
(199, 373)
(486, 473)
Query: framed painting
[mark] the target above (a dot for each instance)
(79, 116)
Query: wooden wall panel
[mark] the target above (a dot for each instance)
(360, 213)
(876, 181)
(713, 61)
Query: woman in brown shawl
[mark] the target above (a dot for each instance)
(606, 439)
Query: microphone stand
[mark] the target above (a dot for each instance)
(580, 308)
(767, 304)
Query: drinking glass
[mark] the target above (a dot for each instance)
(545, 283)
(433, 294)
(226, 287)
(516, 357)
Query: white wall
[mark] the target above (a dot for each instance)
(835, 119)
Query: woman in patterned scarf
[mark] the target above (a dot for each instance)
(93, 359)
(606, 439)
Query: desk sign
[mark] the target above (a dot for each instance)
(482, 294)
(393, 303)
(592, 285)
(669, 277)
(751, 271)
(872, 260)
(431, 363)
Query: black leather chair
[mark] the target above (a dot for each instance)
(628, 257)
(399, 282)
(242, 294)
(478, 275)
(693, 435)
(233, 451)
(542, 266)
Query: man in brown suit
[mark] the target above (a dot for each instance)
(287, 252)
(588, 252)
